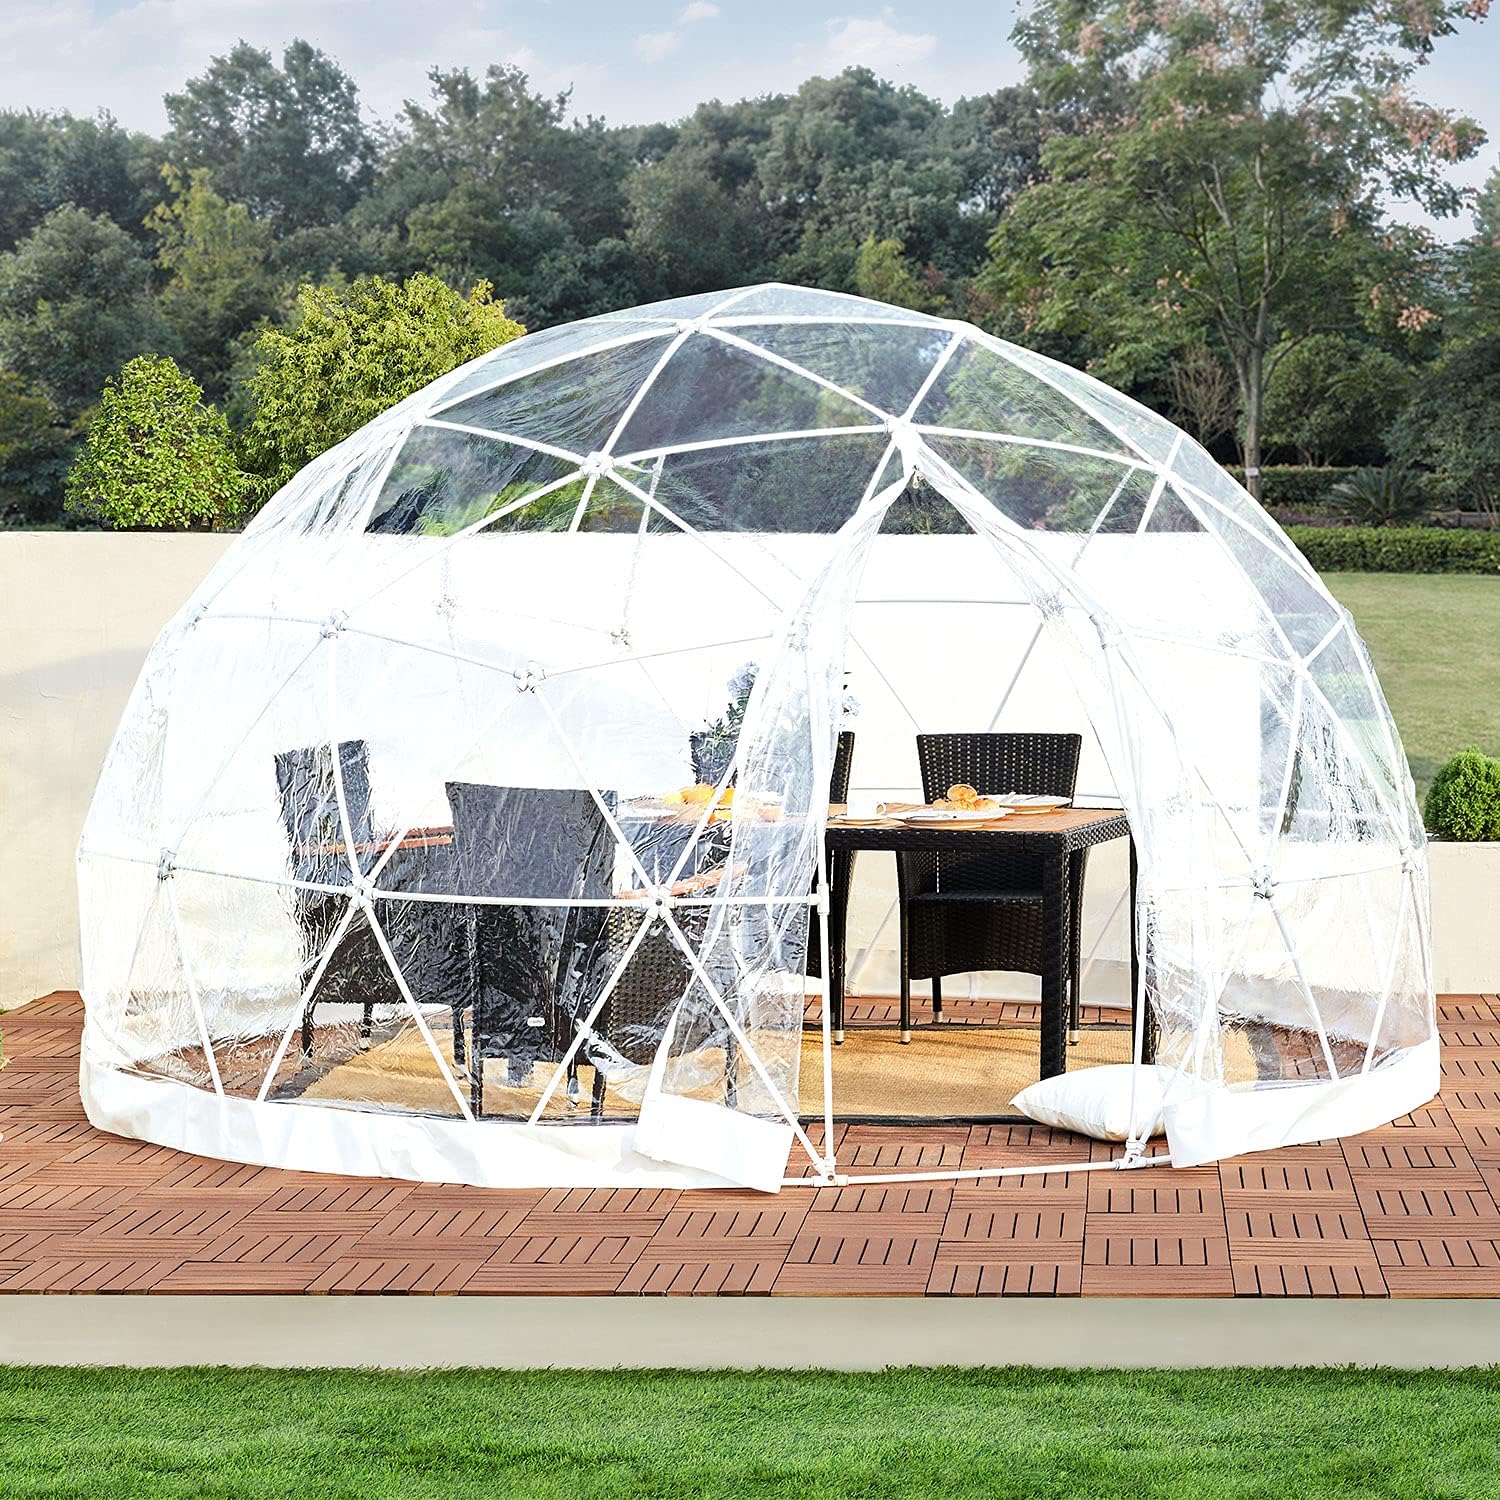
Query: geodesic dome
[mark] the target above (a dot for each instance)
(412, 756)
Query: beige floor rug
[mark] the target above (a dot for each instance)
(957, 1072)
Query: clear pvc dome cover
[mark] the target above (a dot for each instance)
(466, 823)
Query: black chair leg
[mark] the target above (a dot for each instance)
(365, 1025)
(731, 1072)
(458, 1035)
(836, 992)
(476, 1068)
(905, 980)
(307, 1034)
(937, 997)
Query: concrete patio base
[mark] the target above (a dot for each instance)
(717, 1333)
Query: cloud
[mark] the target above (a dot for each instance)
(79, 55)
(652, 46)
(873, 42)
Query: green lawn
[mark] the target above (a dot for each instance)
(991, 1434)
(1435, 639)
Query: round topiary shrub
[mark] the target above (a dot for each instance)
(1463, 801)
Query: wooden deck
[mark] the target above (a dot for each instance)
(1412, 1210)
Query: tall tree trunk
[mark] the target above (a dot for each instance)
(1249, 360)
(1254, 396)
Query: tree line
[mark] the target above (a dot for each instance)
(1194, 202)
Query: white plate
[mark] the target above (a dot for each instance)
(1028, 802)
(946, 815)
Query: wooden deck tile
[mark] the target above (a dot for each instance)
(731, 1248)
(633, 1212)
(1410, 1212)
(239, 1278)
(577, 1264)
(915, 1208)
(1122, 1264)
(1257, 1276)
(741, 1277)
(183, 1233)
(763, 1226)
(1440, 1266)
(916, 1148)
(1014, 1236)
(856, 1263)
(1296, 1183)
(445, 1231)
(1387, 1163)
(1006, 1271)
(1292, 1247)
(1410, 1209)
(392, 1275)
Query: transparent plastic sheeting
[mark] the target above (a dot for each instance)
(393, 866)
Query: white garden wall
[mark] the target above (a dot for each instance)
(78, 612)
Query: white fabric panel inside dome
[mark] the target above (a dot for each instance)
(385, 872)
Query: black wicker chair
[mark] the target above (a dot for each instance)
(420, 934)
(524, 960)
(356, 973)
(536, 971)
(967, 912)
(840, 879)
(659, 975)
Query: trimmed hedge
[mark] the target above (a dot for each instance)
(1397, 549)
(1296, 486)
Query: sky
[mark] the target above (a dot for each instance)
(627, 60)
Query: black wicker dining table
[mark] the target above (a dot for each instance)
(1059, 839)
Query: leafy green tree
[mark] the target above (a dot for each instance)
(881, 272)
(1223, 159)
(156, 455)
(75, 304)
(581, 281)
(216, 258)
(694, 233)
(853, 156)
(1472, 304)
(49, 159)
(507, 151)
(1449, 424)
(997, 141)
(348, 354)
(35, 450)
(468, 237)
(287, 141)
(1332, 399)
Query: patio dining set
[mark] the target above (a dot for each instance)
(549, 921)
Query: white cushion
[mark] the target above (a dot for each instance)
(1096, 1101)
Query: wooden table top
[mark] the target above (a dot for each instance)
(1066, 831)
(1062, 820)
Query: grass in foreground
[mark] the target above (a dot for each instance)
(1224, 1434)
(1435, 641)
